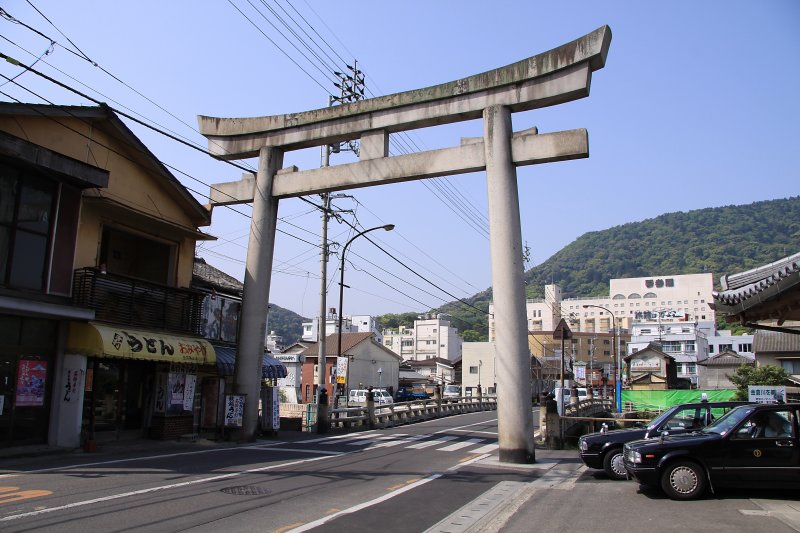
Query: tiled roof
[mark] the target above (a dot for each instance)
(768, 292)
(212, 277)
(727, 358)
(349, 341)
(775, 342)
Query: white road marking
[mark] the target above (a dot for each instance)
(158, 488)
(433, 442)
(316, 523)
(489, 448)
(459, 445)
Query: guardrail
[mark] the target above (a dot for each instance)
(395, 414)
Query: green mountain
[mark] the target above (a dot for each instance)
(285, 323)
(721, 240)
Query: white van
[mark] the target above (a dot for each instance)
(451, 392)
(359, 397)
(564, 397)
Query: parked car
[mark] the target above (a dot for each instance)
(409, 394)
(603, 450)
(563, 397)
(451, 392)
(752, 446)
(359, 397)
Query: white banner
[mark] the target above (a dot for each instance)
(766, 393)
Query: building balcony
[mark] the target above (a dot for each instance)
(136, 303)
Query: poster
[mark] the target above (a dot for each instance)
(234, 410)
(161, 393)
(188, 392)
(177, 385)
(31, 377)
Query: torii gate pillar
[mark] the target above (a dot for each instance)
(515, 426)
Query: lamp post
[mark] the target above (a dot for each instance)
(480, 393)
(387, 227)
(615, 348)
(380, 378)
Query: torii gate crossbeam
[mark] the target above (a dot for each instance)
(560, 75)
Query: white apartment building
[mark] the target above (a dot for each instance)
(350, 324)
(687, 342)
(684, 297)
(429, 338)
(725, 341)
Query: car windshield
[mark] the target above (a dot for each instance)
(659, 420)
(729, 421)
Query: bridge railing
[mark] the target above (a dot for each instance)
(395, 414)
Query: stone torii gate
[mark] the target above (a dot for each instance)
(558, 76)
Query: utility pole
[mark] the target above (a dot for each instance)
(322, 410)
(351, 86)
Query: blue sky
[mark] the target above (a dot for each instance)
(697, 107)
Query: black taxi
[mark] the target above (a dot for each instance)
(752, 446)
(603, 449)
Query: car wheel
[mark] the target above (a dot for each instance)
(683, 480)
(614, 465)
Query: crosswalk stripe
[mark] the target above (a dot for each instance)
(391, 443)
(489, 448)
(459, 445)
(375, 438)
(433, 442)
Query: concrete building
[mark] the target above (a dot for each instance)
(685, 342)
(350, 324)
(479, 368)
(431, 337)
(684, 296)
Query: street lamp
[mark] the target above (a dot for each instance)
(380, 376)
(387, 227)
(615, 348)
(480, 364)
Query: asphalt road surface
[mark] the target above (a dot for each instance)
(440, 475)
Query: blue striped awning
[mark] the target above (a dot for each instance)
(226, 362)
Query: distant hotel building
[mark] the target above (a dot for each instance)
(429, 338)
(681, 298)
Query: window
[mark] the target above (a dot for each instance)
(659, 283)
(407, 343)
(710, 348)
(26, 213)
(669, 282)
(618, 297)
(671, 346)
(607, 353)
(689, 346)
(606, 341)
(792, 366)
(650, 295)
(634, 295)
(745, 347)
(648, 283)
(473, 370)
(723, 347)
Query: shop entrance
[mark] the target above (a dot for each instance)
(117, 397)
(27, 348)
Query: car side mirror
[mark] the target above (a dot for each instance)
(664, 434)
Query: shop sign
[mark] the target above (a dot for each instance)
(188, 392)
(31, 376)
(234, 410)
(766, 394)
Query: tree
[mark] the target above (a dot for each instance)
(471, 335)
(763, 375)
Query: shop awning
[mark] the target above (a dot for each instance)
(103, 340)
(226, 363)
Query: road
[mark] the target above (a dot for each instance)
(440, 475)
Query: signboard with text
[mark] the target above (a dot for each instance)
(766, 393)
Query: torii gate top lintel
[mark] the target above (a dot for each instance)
(553, 77)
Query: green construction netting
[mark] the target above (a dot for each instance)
(659, 400)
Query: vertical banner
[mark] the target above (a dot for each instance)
(276, 409)
(188, 392)
(234, 410)
(161, 393)
(341, 370)
(31, 377)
